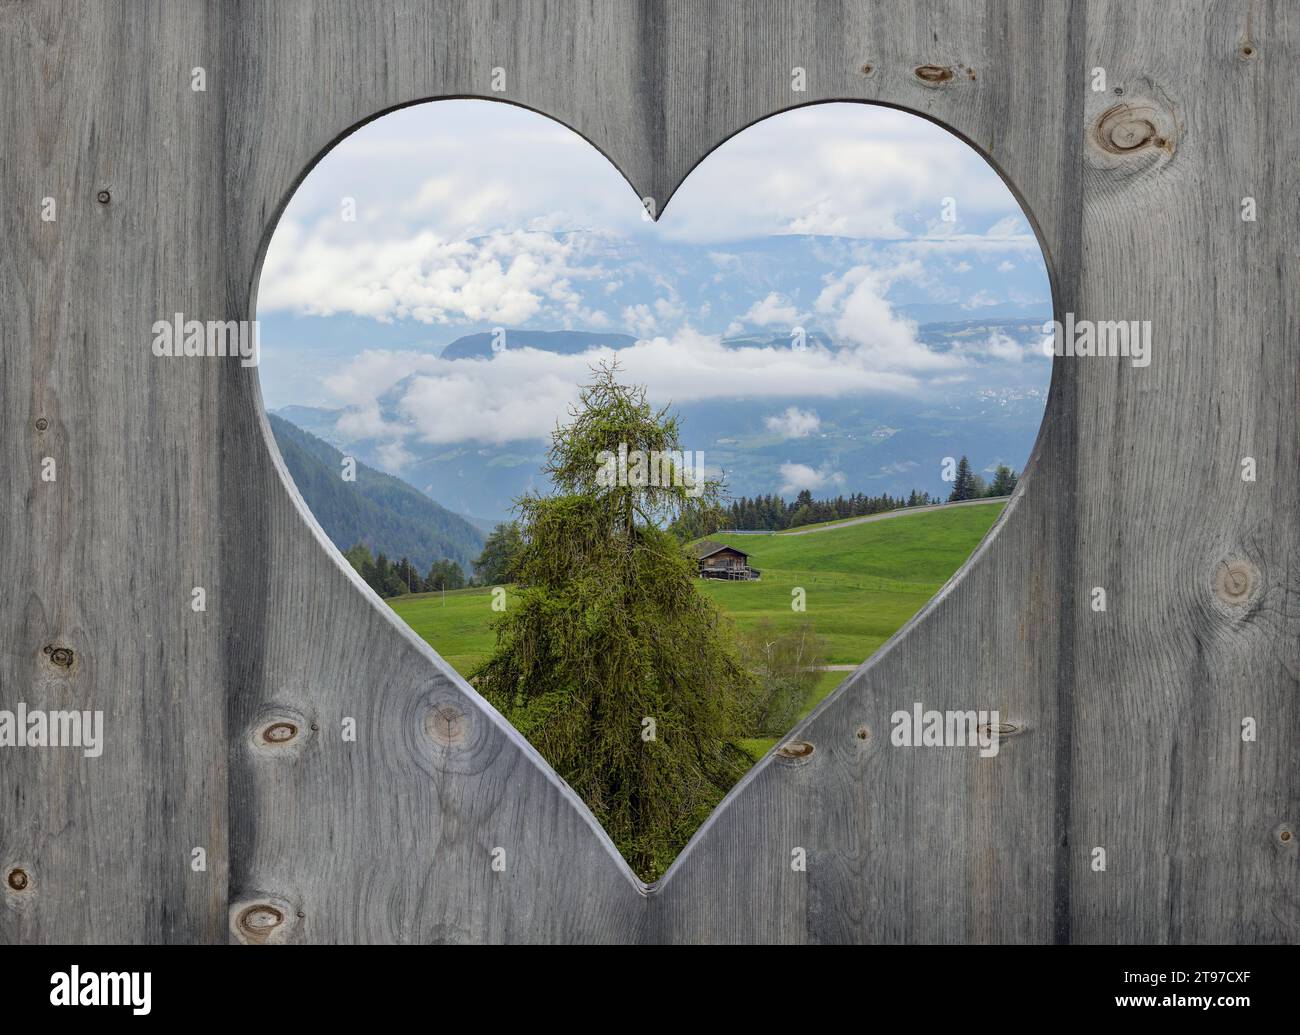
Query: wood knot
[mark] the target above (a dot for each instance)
(1125, 128)
(863, 733)
(795, 751)
(445, 731)
(17, 879)
(259, 919)
(258, 922)
(1236, 581)
(446, 724)
(279, 733)
(867, 69)
(998, 729)
(61, 657)
(933, 75)
(263, 918)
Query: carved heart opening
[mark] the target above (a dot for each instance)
(654, 480)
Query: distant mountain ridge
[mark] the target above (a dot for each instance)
(564, 343)
(384, 512)
(883, 443)
(573, 343)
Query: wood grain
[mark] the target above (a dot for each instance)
(1130, 718)
(102, 560)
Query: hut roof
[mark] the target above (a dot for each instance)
(708, 548)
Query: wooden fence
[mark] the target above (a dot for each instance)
(223, 727)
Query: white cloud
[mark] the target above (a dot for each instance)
(861, 172)
(521, 393)
(975, 244)
(1006, 266)
(774, 309)
(1000, 346)
(449, 234)
(644, 320)
(864, 318)
(1007, 226)
(506, 278)
(797, 477)
(794, 423)
(980, 300)
(639, 319)
(393, 456)
(668, 310)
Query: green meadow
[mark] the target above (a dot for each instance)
(860, 584)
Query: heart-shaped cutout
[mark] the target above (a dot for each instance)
(842, 306)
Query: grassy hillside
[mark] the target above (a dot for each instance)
(862, 583)
(457, 624)
(377, 509)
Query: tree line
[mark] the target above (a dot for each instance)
(774, 513)
(395, 578)
(970, 486)
(495, 566)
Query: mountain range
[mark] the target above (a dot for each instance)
(566, 343)
(884, 443)
(384, 512)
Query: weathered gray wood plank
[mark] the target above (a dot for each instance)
(910, 845)
(1190, 815)
(391, 838)
(102, 560)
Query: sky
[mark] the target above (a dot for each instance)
(853, 223)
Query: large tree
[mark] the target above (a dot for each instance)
(608, 658)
